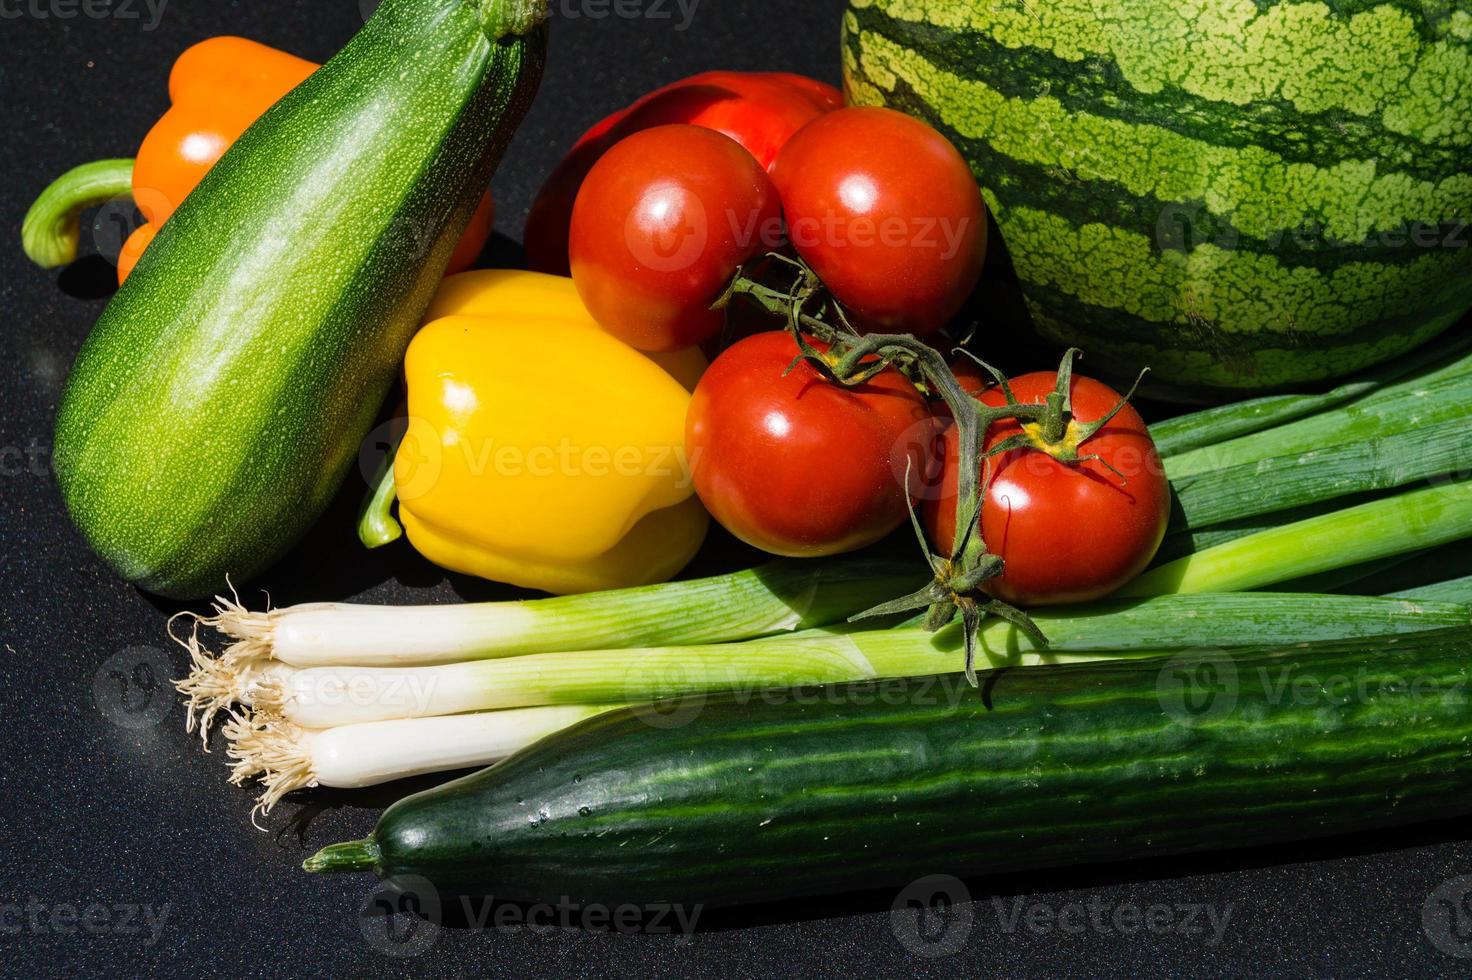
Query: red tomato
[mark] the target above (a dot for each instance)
(799, 466)
(888, 215)
(759, 110)
(1066, 533)
(659, 228)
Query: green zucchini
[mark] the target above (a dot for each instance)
(223, 396)
(872, 784)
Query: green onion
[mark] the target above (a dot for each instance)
(1364, 465)
(326, 697)
(1348, 579)
(1412, 404)
(1213, 425)
(1426, 569)
(777, 597)
(782, 596)
(1453, 590)
(1406, 522)
(285, 757)
(1181, 541)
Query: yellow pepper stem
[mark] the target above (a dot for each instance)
(376, 524)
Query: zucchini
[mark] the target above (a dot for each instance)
(222, 397)
(872, 784)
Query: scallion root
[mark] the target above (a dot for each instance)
(267, 748)
(217, 681)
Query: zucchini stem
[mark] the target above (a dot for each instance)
(52, 229)
(502, 19)
(352, 855)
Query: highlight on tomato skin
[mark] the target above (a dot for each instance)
(888, 214)
(659, 229)
(798, 466)
(1065, 532)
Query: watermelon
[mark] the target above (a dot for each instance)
(1244, 195)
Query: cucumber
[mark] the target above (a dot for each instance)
(222, 397)
(871, 784)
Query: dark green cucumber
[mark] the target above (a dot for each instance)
(873, 784)
(223, 396)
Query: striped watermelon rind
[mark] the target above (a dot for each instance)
(1244, 195)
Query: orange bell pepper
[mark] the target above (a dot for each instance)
(218, 88)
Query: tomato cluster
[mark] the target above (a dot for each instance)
(884, 222)
(880, 206)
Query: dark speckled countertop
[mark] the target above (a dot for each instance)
(124, 851)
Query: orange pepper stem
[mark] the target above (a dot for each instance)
(52, 230)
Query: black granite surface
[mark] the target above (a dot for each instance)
(123, 851)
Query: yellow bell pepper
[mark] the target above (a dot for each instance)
(541, 451)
